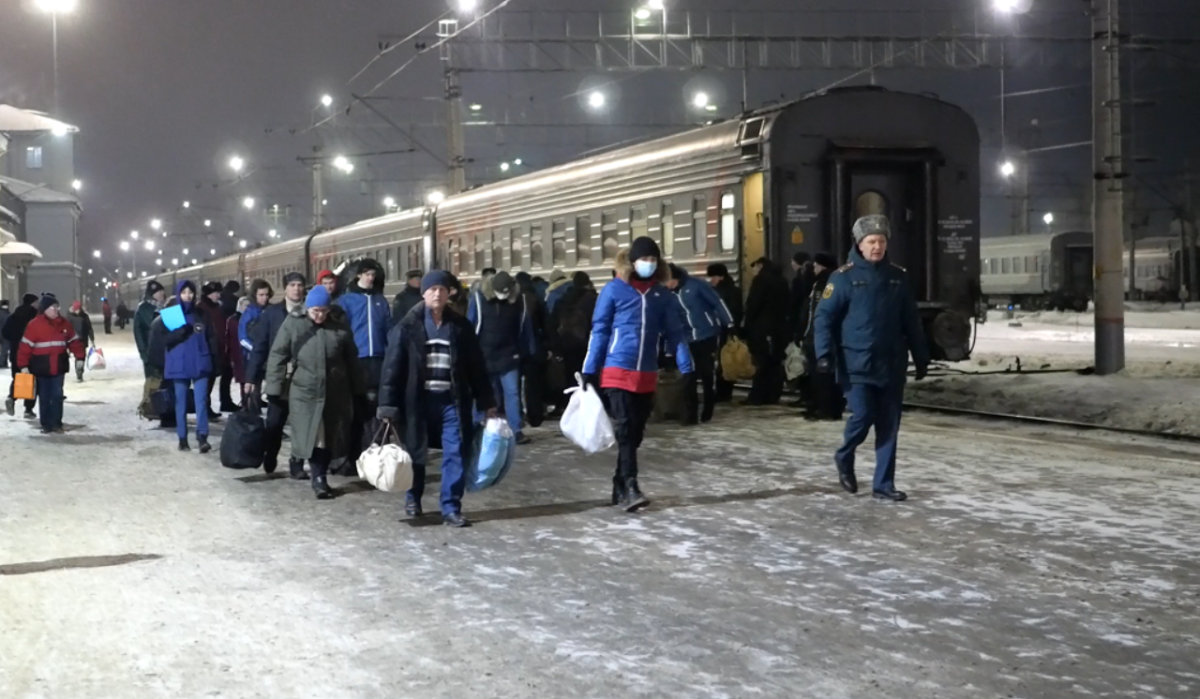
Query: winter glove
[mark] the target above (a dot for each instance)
(824, 365)
(922, 372)
(590, 380)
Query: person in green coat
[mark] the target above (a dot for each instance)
(147, 311)
(313, 365)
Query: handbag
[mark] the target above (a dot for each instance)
(491, 455)
(95, 359)
(244, 441)
(385, 464)
(24, 387)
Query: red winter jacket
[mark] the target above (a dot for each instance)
(43, 349)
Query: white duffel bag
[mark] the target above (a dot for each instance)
(584, 422)
(385, 464)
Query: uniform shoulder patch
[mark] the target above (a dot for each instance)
(828, 291)
(845, 267)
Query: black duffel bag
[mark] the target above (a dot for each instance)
(244, 442)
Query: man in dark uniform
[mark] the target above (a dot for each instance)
(866, 325)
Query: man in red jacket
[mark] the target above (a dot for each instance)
(43, 353)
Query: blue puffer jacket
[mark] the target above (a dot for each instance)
(703, 309)
(191, 347)
(249, 318)
(868, 322)
(627, 325)
(370, 317)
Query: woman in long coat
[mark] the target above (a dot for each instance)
(314, 366)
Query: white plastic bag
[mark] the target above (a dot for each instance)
(95, 360)
(386, 466)
(584, 422)
(794, 364)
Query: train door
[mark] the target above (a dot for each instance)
(1077, 270)
(897, 184)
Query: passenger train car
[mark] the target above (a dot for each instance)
(787, 178)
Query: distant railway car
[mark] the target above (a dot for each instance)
(1041, 270)
(772, 182)
(1155, 269)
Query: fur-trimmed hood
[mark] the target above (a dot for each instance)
(557, 283)
(624, 268)
(489, 291)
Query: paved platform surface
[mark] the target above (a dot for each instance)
(1027, 564)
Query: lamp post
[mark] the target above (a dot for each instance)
(54, 8)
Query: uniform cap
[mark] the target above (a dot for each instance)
(874, 224)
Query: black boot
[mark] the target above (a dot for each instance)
(321, 488)
(296, 469)
(269, 466)
(847, 479)
(706, 414)
(634, 500)
(204, 445)
(618, 494)
(183, 445)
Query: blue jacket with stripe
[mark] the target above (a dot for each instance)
(703, 310)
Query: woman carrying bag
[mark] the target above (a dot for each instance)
(314, 366)
(191, 350)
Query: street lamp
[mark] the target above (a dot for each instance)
(236, 163)
(343, 164)
(212, 252)
(642, 13)
(185, 251)
(133, 234)
(242, 244)
(504, 167)
(1007, 169)
(1048, 218)
(435, 197)
(124, 246)
(700, 100)
(96, 254)
(156, 223)
(150, 245)
(208, 223)
(656, 5)
(248, 202)
(272, 233)
(158, 262)
(517, 162)
(76, 185)
(466, 6)
(476, 107)
(174, 261)
(230, 234)
(596, 99)
(54, 8)
(389, 203)
(326, 101)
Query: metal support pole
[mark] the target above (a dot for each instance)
(454, 130)
(318, 209)
(1107, 203)
(54, 31)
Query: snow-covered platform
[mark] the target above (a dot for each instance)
(1028, 563)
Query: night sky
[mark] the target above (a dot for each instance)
(164, 91)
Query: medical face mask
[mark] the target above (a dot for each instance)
(645, 269)
(502, 295)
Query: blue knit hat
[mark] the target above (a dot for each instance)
(317, 297)
(437, 277)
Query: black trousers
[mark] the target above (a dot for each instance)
(363, 425)
(533, 378)
(227, 385)
(629, 411)
(704, 360)
(767, 388)
(277, 417)
(319, 463)
(108, 325)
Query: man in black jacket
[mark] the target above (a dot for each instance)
(505, 329)
(731, 295)
(821, 396)
(533, 365)
(262, 337)
(13, 331)
(409, 297)
(433, 372)
(5, 312)
(766, 327)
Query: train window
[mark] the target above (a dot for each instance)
(728, 222)
(668, 229)
(638, 226)
(535, 246)
(608, 234)
(583, 241)
(1035, 264)
(558, 243)
(699, 224)
(497, 250)
(1005, 265)
(869, 203)
(480, 252)
(516, 259)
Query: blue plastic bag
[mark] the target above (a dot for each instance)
(491, 455)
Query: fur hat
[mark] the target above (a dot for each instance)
(212, 288)
(717, 270)
(556, 275)
(874, 224)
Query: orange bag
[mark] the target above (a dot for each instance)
(23, 388)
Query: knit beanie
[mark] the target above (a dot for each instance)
(825, 260)
(76, 307)
(644, 247)
(437, 277)
(48, 301)
(28, 299)
(874, 224)
(318, 297)
(323, 274)
(717, 270)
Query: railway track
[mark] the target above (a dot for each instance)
(1052, 422)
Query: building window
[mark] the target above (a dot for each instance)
(608, 234)
(728, 222)
(33, 157)
(583, 241)
(558, 243)
(1005, 265)
(668, 229)
(515, 260)
(700, 224)
(638, 226)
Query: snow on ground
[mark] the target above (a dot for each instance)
(1159, 389)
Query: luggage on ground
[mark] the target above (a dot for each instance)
(244, 441)
(146, 408)
(385, 464)
(584, 422)
(492, 455)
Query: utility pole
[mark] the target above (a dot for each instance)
(454, 110)
(1108, 204)
(318, 209)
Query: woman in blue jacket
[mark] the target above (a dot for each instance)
(633, 312)
(189, 363)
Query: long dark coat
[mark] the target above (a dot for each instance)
(402, 395)
(766, 322)
(324, 383)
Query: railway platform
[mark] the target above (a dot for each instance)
(1030, 562)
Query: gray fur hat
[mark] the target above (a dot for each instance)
(874, 224)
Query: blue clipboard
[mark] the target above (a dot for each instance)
(173, 318)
